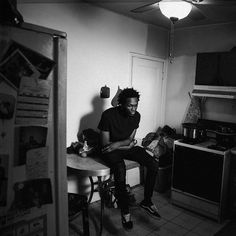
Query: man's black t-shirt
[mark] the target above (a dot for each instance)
(118, 123)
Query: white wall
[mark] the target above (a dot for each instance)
(181, 73)
(99, 43)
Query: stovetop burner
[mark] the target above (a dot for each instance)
(217, 147)
(207, 143)
(192, 141)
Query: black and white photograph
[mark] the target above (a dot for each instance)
(42, 63)
(32, 193)
(7, 106)
(15, 66)
(27, 138)
(129, 108)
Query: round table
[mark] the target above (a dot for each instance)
(89, 167)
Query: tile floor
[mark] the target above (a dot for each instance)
(175, 221)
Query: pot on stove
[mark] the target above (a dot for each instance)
(193, 131)
(226, 139)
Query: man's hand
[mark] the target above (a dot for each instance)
(118, 145)
(110, 147)
(121, 145)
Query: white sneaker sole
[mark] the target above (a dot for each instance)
(149, 213)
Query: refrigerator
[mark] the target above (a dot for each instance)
(33, 178)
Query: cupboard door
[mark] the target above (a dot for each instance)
(228, 68)
(207, 69)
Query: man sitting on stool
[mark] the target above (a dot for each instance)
(118, 128)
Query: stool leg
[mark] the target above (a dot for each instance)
(85, 219)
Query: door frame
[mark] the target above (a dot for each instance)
(164, 79)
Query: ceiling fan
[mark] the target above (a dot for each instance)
(177, 9)
(196, 14)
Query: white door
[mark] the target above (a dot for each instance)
(147, 76)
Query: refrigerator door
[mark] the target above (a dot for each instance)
(34, 186)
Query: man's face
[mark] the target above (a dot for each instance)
(131, 106)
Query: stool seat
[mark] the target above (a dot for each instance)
(131, 164)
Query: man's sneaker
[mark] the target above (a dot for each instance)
(151, 210)
(126, 221)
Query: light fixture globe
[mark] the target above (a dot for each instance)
(175, 9)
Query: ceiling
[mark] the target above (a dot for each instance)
(204, 13)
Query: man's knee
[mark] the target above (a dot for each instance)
(140, 151)
(119, 171)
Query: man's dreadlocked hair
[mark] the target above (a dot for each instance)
(127, 93)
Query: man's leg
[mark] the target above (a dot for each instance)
(139, 155)
(115, 161)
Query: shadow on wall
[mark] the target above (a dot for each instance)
(159, 49)
(91, 119)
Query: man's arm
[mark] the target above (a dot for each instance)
(121, 145)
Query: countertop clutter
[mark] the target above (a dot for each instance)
(212, 134)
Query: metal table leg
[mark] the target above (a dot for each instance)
(92, 189)
(101, 189)
(101, 193)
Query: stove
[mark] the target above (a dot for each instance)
(200, 177)
(205, 161)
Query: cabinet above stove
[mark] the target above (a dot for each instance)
(215, 74)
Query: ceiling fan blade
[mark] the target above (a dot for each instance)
(196, 14)
(212, 2)
(147, 7)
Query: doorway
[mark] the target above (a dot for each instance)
(148, 77)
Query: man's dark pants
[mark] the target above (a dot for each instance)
(115, 160)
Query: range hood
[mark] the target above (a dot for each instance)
(214, 91)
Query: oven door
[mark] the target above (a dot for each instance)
(198, 172)
(200, 180)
